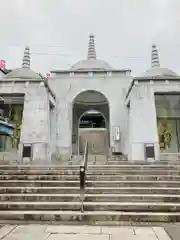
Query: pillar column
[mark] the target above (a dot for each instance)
(35, 128)
(143, 125)
(64, 129)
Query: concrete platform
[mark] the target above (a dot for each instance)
(52, 232)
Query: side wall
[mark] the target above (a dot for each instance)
(143, 119)
(35, 128)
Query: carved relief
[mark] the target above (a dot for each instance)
(165, 134)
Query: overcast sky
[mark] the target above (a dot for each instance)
(57, 32)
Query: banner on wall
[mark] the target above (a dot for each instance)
(2, 64)
(48, 75)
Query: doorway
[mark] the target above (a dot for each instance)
(92, 127)
(90, 122)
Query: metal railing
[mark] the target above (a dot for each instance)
(82, 174)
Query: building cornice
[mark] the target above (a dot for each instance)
(46, 84)
(150, 79)
(92, 71)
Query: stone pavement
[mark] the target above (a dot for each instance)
(59, 232)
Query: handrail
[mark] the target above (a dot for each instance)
(82, 174)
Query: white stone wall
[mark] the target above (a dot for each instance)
(143, 123)
(68, 87)
(143, 127)
(35, 127)
(2, 75)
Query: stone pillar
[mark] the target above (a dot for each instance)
(143, 126)
(35, 127)
(53, 130)
(115, 121)
(64, 129)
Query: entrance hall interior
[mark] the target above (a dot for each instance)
(90, 122)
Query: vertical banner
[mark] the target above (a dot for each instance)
(2, 64)
(48, 75)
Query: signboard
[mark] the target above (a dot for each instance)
(117, 133)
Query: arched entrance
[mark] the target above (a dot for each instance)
(90, 122)
(92, 119)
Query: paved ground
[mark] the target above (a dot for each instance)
(54, 232)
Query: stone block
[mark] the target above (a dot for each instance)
(144, 231)
(161, 233)
(78, 237)
(118, 230)
(5, 230)
(74, 229)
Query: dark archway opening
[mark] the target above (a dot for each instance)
(90, 117)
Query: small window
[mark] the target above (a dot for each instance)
(90, 74)
(71, 74)
(109, 74)
(27, 149)
(136, 82)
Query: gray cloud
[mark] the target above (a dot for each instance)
(124, 32)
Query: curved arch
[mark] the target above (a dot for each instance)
(106, 124)
(84, 94)
(83, 102)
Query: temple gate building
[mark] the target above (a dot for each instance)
(137, 118)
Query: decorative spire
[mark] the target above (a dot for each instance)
(26, 58)
(91, 48)
(155, 57)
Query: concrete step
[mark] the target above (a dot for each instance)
(136, 164)
(95, 190)
(133, 177)
(92, 172)
(34, 205)
(91, 190)
(91, 177)
(132, 190)
(69, 183)
(129, 183)
(40, 183)
(92, 206)
(39, 177)
(132, 198)
(69, 217)
(39, 167)
(132, 206)
(90, 197)
(39, 189)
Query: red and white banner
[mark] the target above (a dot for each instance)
(2, 64)
(48, 75)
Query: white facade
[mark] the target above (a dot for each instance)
(2, 74)
(67, 87)
(48, 117)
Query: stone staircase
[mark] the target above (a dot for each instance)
(115, 191)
